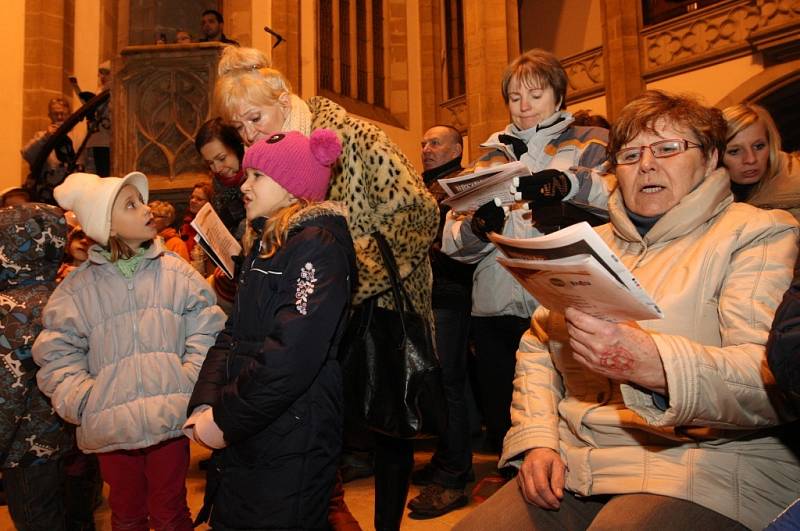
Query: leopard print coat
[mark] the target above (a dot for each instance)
(381, 191)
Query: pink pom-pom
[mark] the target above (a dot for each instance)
(325, 146)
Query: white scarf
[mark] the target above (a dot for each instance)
(299, 118)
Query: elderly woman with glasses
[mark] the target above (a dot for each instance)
(672, 423)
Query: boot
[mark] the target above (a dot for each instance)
(339, 516)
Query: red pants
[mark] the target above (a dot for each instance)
(150, 481)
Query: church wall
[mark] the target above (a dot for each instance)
(12, 56)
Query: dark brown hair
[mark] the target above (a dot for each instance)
(216, 129)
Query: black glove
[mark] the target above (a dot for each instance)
(544, 187)
(488, 218)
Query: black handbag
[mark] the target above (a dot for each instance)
(392, 376)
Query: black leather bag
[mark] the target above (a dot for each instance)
(392, 377)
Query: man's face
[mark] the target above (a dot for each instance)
(210, 26)
(439, 146)
(58, 113)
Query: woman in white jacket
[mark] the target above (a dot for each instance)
(660, 424)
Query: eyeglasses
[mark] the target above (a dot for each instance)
(660, 150)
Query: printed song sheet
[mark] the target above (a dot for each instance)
(468, 192)
(215, 239)
(574, 267)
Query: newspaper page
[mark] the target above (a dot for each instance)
(215, 239)
(468, 192)
(597, 283)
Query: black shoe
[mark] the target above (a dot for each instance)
(435, 500)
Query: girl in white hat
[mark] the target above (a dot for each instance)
(125, 336)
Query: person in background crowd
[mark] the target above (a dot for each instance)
(183, 37)
(123, 342)
(211, 28)
(586, 118)
(33, 439)
(98, 145)
(202, 193)
(450, 468)
(78, 244)
(163, 218)
(670, 423)
(222, 150)
(565, 162)
(272, 381)
(761, 174)
(13, 196)
(56, 166)
(382, 191)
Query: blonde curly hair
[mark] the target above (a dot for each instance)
(245, 75)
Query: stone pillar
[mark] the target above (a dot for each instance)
(621, 53)
(491, 37)
(49, 50)
(286, 56)
(161, 96)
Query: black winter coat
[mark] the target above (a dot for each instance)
(274, 383)
(783, 347)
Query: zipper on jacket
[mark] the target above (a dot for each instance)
(137, 359)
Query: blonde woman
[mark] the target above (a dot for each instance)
(381, 191)
(761, 174)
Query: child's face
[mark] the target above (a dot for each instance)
(197, 200)
(79, 245)
(131, 218)
(262, 196)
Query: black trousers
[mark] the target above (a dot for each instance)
(452, 461)
(496, 342)
(394, 459)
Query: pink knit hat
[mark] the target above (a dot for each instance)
(301, 165)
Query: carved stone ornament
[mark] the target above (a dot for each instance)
(163, 95)
(585, 75)
(714, 34)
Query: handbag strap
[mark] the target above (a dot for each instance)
(401, 299)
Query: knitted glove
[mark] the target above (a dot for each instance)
(543, 187)
(490, 217)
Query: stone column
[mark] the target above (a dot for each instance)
(621, 53)
(49, 50)
(491, 37)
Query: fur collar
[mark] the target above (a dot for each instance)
(317, 210)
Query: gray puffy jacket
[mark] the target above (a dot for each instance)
(119, 357)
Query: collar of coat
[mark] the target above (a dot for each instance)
(549, 129)
(155, 250)
(700, 205)
(307, 214)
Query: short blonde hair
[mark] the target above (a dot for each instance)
(245, 76)
(162, 208)
(740, 117)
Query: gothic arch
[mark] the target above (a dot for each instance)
(776, 89)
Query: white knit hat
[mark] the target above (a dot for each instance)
(92, 197)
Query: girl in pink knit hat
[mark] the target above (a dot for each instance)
(269, 395)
